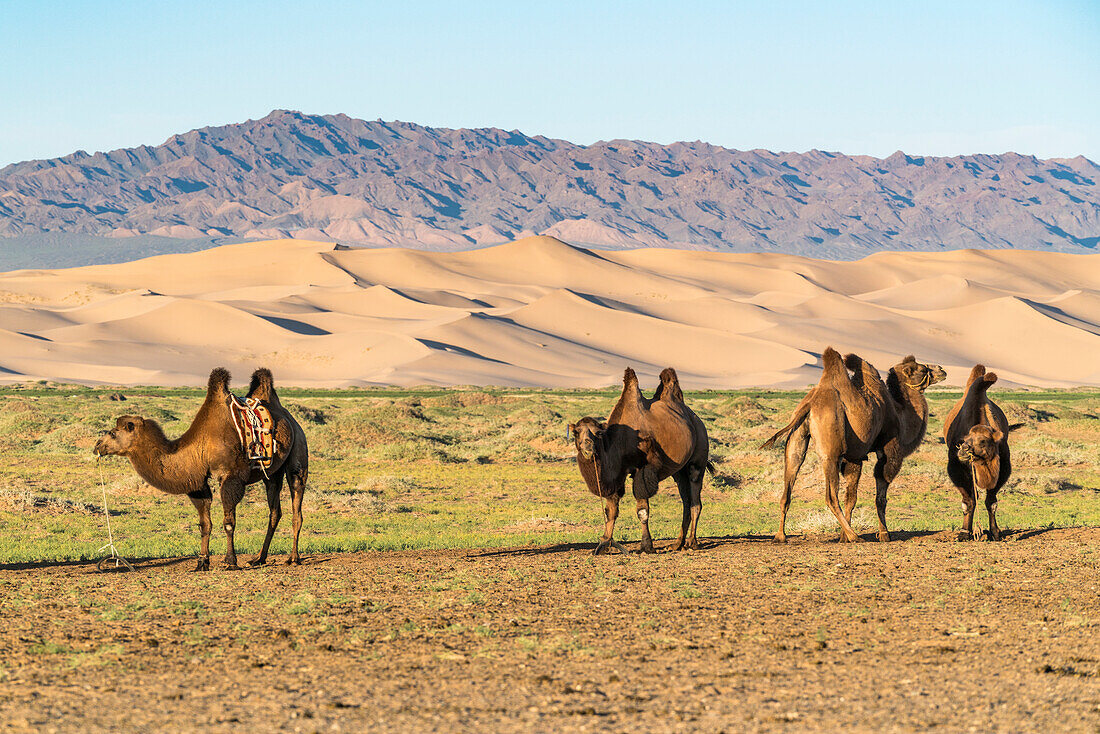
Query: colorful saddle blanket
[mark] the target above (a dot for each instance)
(255, 427)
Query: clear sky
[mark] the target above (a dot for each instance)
(924, 76)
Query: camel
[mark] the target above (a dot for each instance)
(976, 433)
(648, 440)
(850, 416)
(210, 454)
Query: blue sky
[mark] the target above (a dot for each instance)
(932, 78)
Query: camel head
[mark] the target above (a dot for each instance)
(606, 456)
(981, 449)
(121, 439)
(588, 437)
(914, 374)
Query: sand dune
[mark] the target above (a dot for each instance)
(541, 312)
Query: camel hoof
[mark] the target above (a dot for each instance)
(232, 567)
(294, 561)
(646, 548)
(883, 536)
(600, 548)
(780, 538)
(257, 562)
(853, 539)
(203, 565)
(995, 535)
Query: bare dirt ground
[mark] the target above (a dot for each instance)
(922, 633)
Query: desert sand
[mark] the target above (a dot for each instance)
(541, 312)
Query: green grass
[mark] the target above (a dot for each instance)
(464, 468)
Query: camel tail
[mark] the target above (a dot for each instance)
(218, 384)
(262, 386)
(800, 414)
(711, 469)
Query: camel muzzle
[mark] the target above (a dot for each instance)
(101, 448)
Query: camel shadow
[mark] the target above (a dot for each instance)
(141, 564)
(138, 563)
(1024, 534)
(545, 550)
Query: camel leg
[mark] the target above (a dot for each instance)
(274, 487)
(202, 500)
(232, 492)
(852, 472)
(968, 502)
(684, 486)
(695, 478)
(831, 469)
(794, 456)
(886, 469)
(991, 508)
(610, 514)
(297, 483)
(646, 546)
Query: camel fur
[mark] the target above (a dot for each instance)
(647, 440)
(209, 455)
(849, 416)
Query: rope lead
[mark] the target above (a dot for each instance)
(118, 560)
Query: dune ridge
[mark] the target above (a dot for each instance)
(541, 312)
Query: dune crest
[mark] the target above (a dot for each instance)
(542, 312)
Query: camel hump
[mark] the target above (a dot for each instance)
(669, 389)
(262, 386)
(976, 373)
(832, 366)
(218, 382)
(630, 378)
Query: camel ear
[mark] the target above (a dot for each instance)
(996, 435)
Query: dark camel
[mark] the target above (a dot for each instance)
(976, 433)
(850, 416)
(209, 454)
(647, 440)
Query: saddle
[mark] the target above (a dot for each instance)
(255, 427)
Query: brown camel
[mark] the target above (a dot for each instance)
(648, 440)
(976, 433)
(210, 454)
(850, 416)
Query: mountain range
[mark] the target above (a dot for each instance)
(336, 178)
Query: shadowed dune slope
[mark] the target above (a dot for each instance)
(541, 312)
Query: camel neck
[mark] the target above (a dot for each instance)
(169, 466)
(914, 417)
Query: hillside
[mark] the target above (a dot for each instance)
(335, 178)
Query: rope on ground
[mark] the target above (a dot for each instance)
(118, 560)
